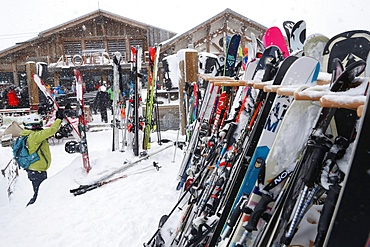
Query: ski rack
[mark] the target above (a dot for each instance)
(321, 93)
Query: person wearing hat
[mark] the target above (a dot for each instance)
(37, 137)
(102, 102)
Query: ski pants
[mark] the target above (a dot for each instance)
(36, 177)
(104, 114)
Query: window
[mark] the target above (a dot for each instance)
(72, 47)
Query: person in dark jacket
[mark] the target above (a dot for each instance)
(24, 100)
(37, 137)
(102, 102)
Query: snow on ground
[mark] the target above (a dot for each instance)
(122, 213)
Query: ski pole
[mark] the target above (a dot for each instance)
(6, 167)
(177, 141)
(177, 204)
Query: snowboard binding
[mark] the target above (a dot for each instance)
(72, 147)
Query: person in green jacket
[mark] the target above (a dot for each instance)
(37, 136)
(111, 96)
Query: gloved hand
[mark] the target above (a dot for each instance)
(60, 114)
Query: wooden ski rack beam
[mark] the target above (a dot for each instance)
(340, 101)
(230, 83)
(271, 88)
(261, 85)
(321, 82)
(360, 110)
(287, 90)
(314, 96)
(214, 78)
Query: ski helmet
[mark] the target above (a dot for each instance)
(103, 88)
(33, 122)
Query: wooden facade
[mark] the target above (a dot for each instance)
(84, 42)
(208, 36)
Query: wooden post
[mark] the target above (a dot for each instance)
(188, 65)
(33, 90)
(15, 74)
(191, 66)
(56, 79)
(182, 103)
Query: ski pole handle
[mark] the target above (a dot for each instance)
(313, 163)
(327, 213)
(257, 212)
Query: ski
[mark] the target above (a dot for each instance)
(151, 88)
(136, 127)
(231, 56)
(108, 178)
(83, 149)
(116, 95)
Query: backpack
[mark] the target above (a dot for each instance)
(21, 155)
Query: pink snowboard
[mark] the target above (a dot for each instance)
(274, 36)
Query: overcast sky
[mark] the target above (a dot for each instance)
(24, 19)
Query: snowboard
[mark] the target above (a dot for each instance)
(297, 36)
(348, 47)
(313, 155)
(314, 47)
(350, 216)
(274, 36)
(288, 26)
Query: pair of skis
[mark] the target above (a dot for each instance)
(109, 178)
(131, 109)
(80, 145)
(151, 88)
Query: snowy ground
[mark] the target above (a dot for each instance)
(123, 213)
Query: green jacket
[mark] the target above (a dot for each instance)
(111, 93)
(37, 138)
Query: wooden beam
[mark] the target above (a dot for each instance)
(340, 101)
(33, 90)
(15, 74)
(181, 97)
(360, 110)
(191, 66)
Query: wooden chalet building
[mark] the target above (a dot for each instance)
(86, 43)
(208, 36)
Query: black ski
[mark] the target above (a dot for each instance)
(351, 217)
